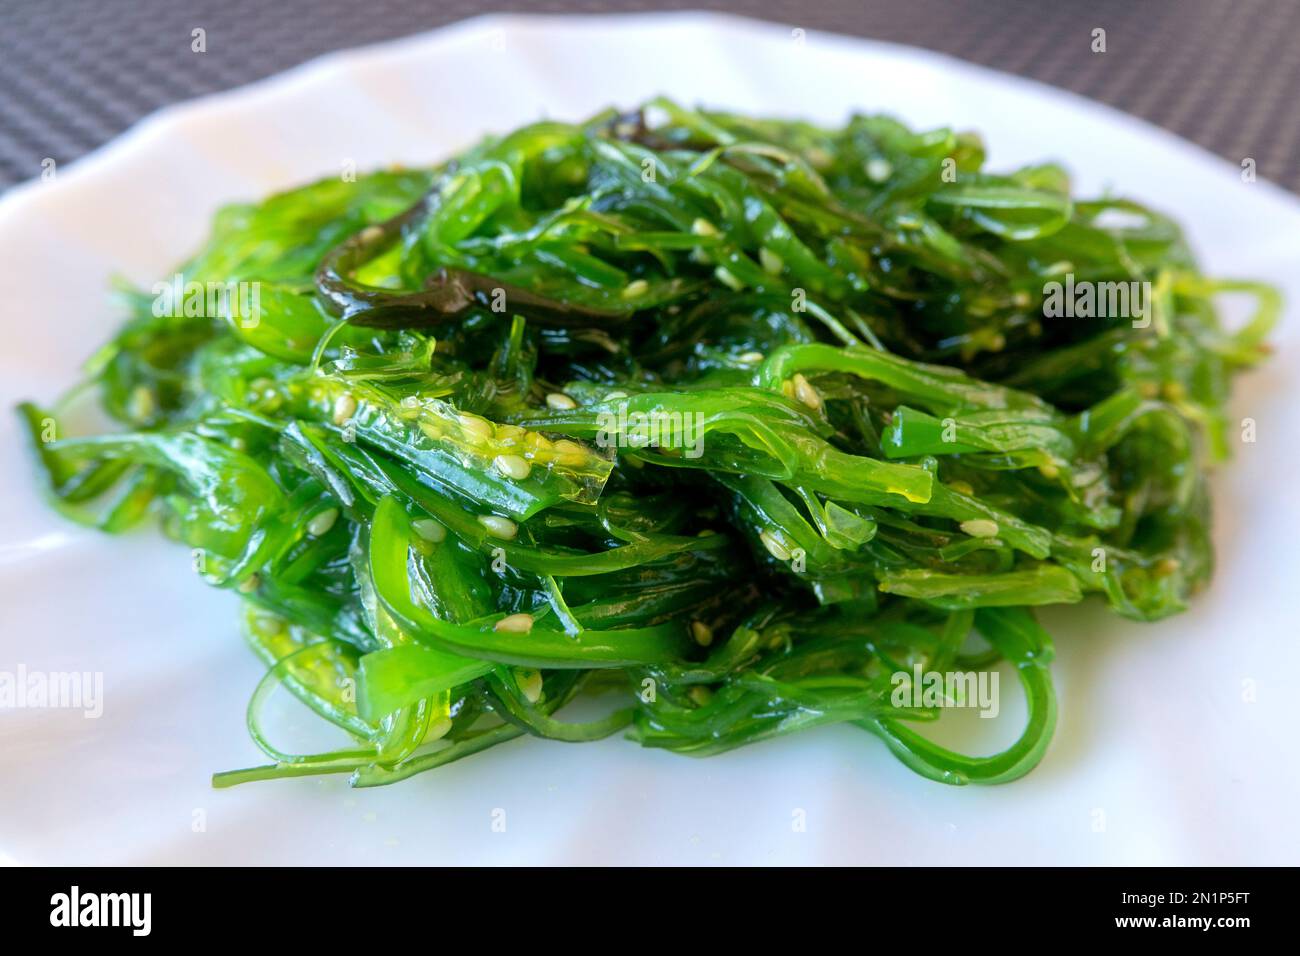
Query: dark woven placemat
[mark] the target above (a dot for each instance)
(1222, 73)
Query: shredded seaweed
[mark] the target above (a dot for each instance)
(733, 424)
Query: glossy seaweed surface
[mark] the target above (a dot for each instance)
(734, 425)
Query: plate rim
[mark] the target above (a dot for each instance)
(155, 125)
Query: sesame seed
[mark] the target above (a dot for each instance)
(430, 530)
(439, 727)
(878, 170)
(728, 278)
(345, 406)
(249, 584)
(774, 546)
(751, 358)
(530, 682)
(637, 287)
(702, 633)
(771, 262)
(560, 401)
(475, 426)
(512, 466)
(702, 227)
(499, 527)
(805, 392)
(980, 528)
(321, 523)
(536, 442)
(141, 404)
(700, 695)
(514, 624)
(571, 453)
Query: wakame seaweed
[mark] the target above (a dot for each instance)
(724, 422)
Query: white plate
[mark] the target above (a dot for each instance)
(1177, 741)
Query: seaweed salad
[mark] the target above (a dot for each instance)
(728, 427)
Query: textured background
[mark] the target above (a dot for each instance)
(1222, 73)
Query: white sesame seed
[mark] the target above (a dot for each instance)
(771, 262)
(499, 527)
(530, 683)
(430, 530)
(514, 624)
(637, 287)
(774, 546)
(751, 358)
(571, 454)
(438, 728)
(727, 278)
(536, 441)
(700, 695)
(321, 523)
(141, 405)
(345, 406)
(878, 170)
(702, 633)
(702, 227)
(512, 466)
(980, 528)
(805, 392)
(561, 401)
(475, 426)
